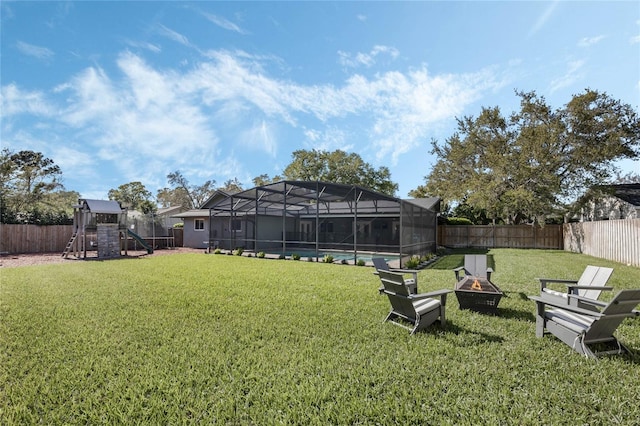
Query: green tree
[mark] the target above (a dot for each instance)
(133, 195)
(231, 186)
(184, 194)
(31, 190)
(536, 161)
(171, 197)
(265, 180)
(339, 167)
(475, 215)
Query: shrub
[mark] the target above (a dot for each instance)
(260, 255)
(458, 221)
(327, 258)
(413, 262)
(238, 251)
(427, 257)
(179, 225)
(295, 256)
(360, 262)
(217, 251)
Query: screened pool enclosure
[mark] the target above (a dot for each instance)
(316, 218)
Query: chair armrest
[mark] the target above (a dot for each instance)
(545, 281)
(457, 272)
(430, 294)
(586, 300)
(554, 280)
(571, 288)
(566, 307)
(489, 272)
(406, 271)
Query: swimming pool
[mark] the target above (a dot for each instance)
(339, 255)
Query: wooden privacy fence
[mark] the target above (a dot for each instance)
(34, 238)
(506, 236)
(617, 240)
(15, 239)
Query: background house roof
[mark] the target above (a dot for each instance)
(629, 192)
(192, 213)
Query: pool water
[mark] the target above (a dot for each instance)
(339, 255)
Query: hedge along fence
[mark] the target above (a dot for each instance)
(34, 238)
(617, 240)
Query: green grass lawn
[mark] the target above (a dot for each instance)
(216, 339)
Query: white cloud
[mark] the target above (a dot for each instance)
(152, 121)
(173, 35)
(635, 39)
(144, 45)
(74, 162)
(223, 23)
(34, 51)
(328, 139)
(260, 136)
(367, 59)
(14, 101)
(573, 74)
(140, 123)
(543, 18)
(590, 41)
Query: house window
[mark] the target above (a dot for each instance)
(199, 225)
(236, 225)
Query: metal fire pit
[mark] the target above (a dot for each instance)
(478, 294)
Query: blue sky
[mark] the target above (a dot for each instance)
(116, 92)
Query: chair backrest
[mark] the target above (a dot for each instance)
(380, 264)
(594, 276)
(476, 265)
(397, 291)
(622, 303)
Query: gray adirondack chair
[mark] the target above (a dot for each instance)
(419, 310)
(588, 332)
(590, 285)
(474, 265)
(380, 264)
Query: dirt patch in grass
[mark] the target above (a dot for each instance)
(28, 259)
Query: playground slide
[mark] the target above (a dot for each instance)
(142, 242)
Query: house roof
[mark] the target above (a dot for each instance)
(305, 198)
(312, 197)
(629, 192)
(168, 211)
(196, 213)
(214, 198)
(101, 206)
(432, 203)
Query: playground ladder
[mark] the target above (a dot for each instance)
(65, 253)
